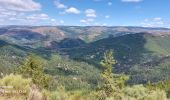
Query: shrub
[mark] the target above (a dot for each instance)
(139, 92)
(16, 85)
(32, 67)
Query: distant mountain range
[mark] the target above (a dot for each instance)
(44, 35)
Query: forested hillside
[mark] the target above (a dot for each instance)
(143, 56)
(78, 66)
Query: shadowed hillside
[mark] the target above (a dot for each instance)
(131, 51)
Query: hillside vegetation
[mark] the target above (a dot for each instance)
(72, 63)
(35, 84)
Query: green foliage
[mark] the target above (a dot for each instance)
(72, 74)
(112, 83)
(16, 87)
(33, 68)
(14, 84)
(10, 58)
(108, 62)
(139, 92)
(142, 56)
(59, 94)
(156, 95)
(162, 85)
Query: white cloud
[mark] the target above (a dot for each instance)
(90, 13)
(155, 22)
(131, 1)
(59, 5)
(88, 21)
(19, 18)
(21, 12)
(157, 19)
(53, 20)
(6, 14)
(61, 22)
(109, 3)
(72, 10)
(107, 16)
(56, 22)
(38, 17)
(83, 21)
(104, 24)
(20, 5)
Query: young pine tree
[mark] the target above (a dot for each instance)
(33, 68)
(112, 83)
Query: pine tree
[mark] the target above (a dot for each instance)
(112, 83)
(33, 68)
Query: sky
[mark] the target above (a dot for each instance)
(146, 13)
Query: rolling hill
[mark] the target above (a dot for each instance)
(139, 55)
(142, 53)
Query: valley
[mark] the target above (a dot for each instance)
(72, 55)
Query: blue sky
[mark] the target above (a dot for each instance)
(148, 13)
